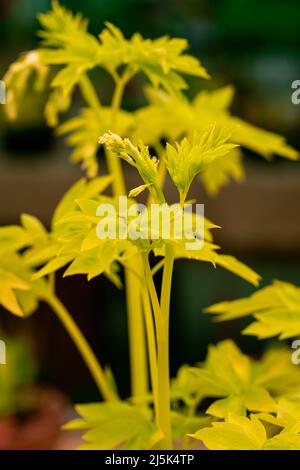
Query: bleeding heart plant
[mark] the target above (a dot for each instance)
(203, 139)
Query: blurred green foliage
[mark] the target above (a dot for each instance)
(250, 43)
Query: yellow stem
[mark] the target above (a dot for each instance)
(191, 412)
(162, 169)
(152, 348)
(115, 169)
(152, 290)
(136, 331)
(167, 282)
(163, 344)
(83, 347)
(89, 93)
(117, 97)
(163, 417)
(121, 82)
(161, 176)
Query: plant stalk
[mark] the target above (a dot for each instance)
(163, 417)
(152, 347)
(163, 344)
(136, 331)
(89, 93)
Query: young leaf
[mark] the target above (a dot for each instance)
(209, 254)
(228, 373)
(138, 190)
(9, 282)
(214, 106)
(162, 60)
(18, 293)
(60, 25)
(238, 433)
(284, 441)
(187, 159)
(276, 373)
(237, 267)
(137, 156)
(13, 238)
(276, 309)
(116, 425)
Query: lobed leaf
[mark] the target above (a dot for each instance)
(116, 425)
(276, 309)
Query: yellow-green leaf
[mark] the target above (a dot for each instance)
(116, 425)
(238, 433)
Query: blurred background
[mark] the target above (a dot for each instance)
(253, 44)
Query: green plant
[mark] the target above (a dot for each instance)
(202, 140)
(19, 372)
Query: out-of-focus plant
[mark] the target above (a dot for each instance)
(15, 377)
(202, 140)
(69, 52)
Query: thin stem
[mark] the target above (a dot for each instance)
(163, 347)
(152, 348)
(162, 169)
(152, 291)
(113, 162)
(157, 267)
(115, 169)
(117, 96)
(89, 93)
(136, 331)
(121, 83)
(167, 282)
(182, 196)
(164, 413)
(83, 347)
(192, 409)
(158, 193)
(163, 417)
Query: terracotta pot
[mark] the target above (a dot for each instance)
(40, 429)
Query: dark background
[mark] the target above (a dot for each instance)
(250, 43)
